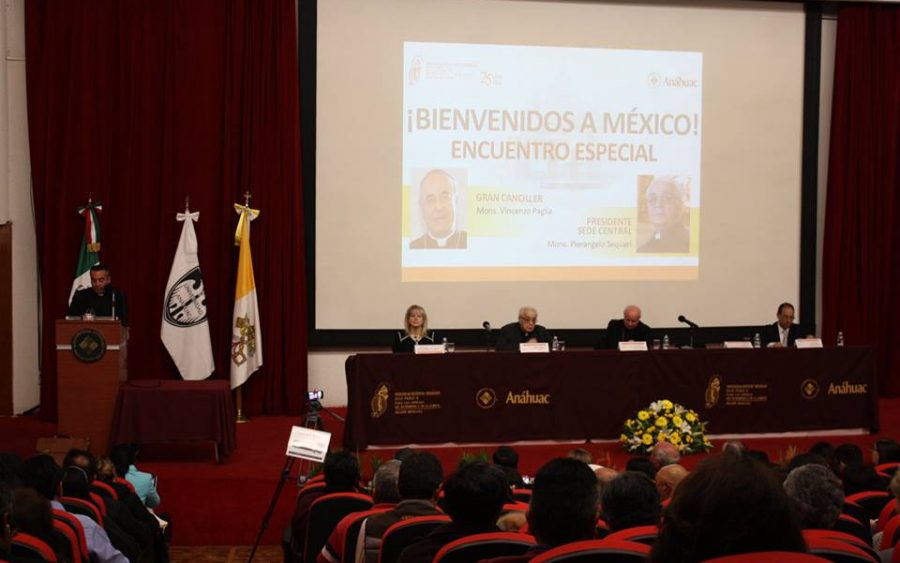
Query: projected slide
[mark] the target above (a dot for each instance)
(550, 163)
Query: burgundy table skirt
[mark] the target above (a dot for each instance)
(150, 411)
(504, 397)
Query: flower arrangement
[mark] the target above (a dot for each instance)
(665, 421)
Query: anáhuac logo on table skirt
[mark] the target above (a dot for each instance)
(486, 398)
(379, 402)
(809, 389)
(711, 395)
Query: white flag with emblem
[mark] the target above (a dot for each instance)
(185, 329)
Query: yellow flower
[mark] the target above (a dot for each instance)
(662, 422)
(643, 415)
(661, 437)
(688, 438)
(667, 404)
(647, 439)
(623, 438)
(676, 420)
(690, 417)
(675, 437)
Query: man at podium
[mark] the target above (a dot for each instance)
(101, 299)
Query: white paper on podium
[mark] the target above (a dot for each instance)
(632, 346)
(738, 344)
(307, 443)
(534, 348)
(808, 343)
(429, 349)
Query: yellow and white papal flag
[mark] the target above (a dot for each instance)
(246, 339)
(185, 329)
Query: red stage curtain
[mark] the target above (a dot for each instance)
(861, 262)
(140, 104)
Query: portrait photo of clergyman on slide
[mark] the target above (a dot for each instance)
(663, 216)
(435, 210)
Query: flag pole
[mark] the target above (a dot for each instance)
(241, 418)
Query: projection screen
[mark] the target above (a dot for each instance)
(476, 156)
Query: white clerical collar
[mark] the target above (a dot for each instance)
(442, 242)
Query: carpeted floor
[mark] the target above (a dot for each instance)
(224, 505)
(224, 554)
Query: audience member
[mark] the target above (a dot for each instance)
(668, 478)
(6, 507)
(885, 451)
(665, 453)
(341, 469)
(563, 507)
(824, 449)
(758, 455)
(860, 477)
(507, 459)
(123, 457)
(816, 496)
(604, 476)
(800, 460)
(76, 484)
(630, 500)
(10, 469)
(727, 505)
(418, 481)
(385, 495)
(581, 455)
(31, 514)
(135, 528)
(641, 465)
(155, 524)
(474, 496)
(42, 474)
(888, 551)
(845, 454)
(733, 447)
(403, 453)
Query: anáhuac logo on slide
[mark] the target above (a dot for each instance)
(186, 302)
(656, 80)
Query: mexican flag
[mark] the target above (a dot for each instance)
(90, 247)
(246, 338)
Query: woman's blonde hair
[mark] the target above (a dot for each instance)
(409, 312)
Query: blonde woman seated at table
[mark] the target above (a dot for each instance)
(415, 331)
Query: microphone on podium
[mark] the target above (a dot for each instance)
(690, 323)
(486, 325)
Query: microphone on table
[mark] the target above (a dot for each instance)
(690, 323)
(486, 325)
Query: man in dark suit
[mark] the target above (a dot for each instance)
(784, 331)
(526, 330)
(101, 298)
(629, 327)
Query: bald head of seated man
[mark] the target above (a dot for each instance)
(667, 479)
